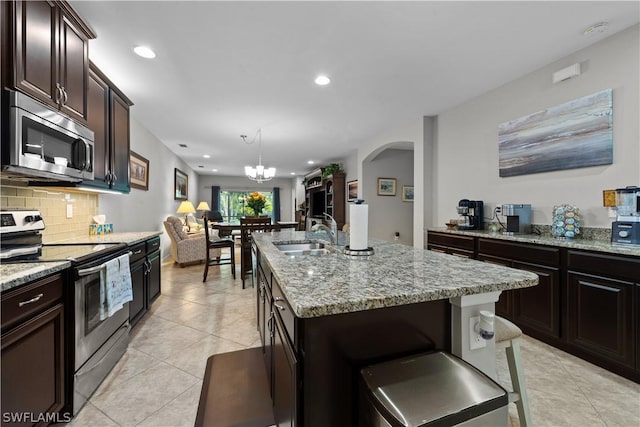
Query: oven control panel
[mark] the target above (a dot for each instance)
(20, 221)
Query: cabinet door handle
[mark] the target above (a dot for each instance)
(65, 97)
(114, 176)
(58, 94)
(277, 298)
(34, 299)
(281, 307)
(139, 251)
(270, 324)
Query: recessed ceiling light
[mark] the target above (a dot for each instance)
(144, 52)
(206, 156)
(322, 80)
(310, 162)
(214, 170)
(292, 173)
(598, 28)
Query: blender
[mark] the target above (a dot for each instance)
(626, 228)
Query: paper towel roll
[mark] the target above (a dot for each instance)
(358, 226)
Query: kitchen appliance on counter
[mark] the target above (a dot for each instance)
(626, 227)
(470, 214)
(40, 144)
(98, 343)
(518, 218)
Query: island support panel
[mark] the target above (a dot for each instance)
(335, 348)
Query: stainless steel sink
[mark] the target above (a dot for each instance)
(300, 249)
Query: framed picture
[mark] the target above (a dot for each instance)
(352, 190)
(407, 193)
(386, 186)
(181, 185)
(139, 171)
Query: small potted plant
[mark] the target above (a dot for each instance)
(331, 169)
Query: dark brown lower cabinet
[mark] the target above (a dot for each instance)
(538, 308)
(145, 277)
(504, 306)
(284, 376)
(601, 317)
(462, 246)
(137, 307)
(33, 353)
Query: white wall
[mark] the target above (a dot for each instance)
(411, 131)
(240, 183)
(146, 210)
(467, 146)
(389, 214)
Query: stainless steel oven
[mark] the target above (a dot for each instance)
(42, 143)
(99, 344)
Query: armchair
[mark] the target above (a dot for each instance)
(187, 248)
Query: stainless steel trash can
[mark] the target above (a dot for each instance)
(432, 389)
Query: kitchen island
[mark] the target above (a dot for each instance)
(323, 318)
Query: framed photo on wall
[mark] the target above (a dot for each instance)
(407, 193)
(181, 185)
(352, 190)
(139, 171)
(386, 186)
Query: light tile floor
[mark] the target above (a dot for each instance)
(158, 381)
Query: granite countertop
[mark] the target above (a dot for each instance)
(12, 275)
(16, 274)
(395, 275)
(589, 245)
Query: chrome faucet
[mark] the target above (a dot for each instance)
(333, 231)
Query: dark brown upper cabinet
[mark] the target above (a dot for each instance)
(49, 57)
(108, 118)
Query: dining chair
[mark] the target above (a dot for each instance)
(247, 227)
(218, 244)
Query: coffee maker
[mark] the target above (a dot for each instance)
(626, 228)
(470, 214)
(518, 218)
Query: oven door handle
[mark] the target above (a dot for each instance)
(86, 271)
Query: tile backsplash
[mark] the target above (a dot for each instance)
(52, 204)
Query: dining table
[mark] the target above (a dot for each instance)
(226, 229)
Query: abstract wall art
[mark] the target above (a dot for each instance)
(575, 134)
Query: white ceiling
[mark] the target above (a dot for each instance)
(228, 68)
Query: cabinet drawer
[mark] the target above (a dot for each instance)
(607, 265)
(28, 300)
(451, 240)
(520, 252)
(138, 251)
(153, 245)
(282, 307)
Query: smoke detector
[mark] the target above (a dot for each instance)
(595, 29)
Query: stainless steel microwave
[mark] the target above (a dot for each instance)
(42, 144)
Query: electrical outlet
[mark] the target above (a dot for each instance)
(69, 211)
(475, 340)
(498, 209)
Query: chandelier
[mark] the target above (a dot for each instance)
(259, 173)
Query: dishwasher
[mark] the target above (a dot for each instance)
(430, 389)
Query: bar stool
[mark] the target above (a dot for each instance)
(508, 337)
(218, 244)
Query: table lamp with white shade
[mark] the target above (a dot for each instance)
(204, 207)
(186, 208)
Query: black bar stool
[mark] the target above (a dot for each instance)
(218, 244)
